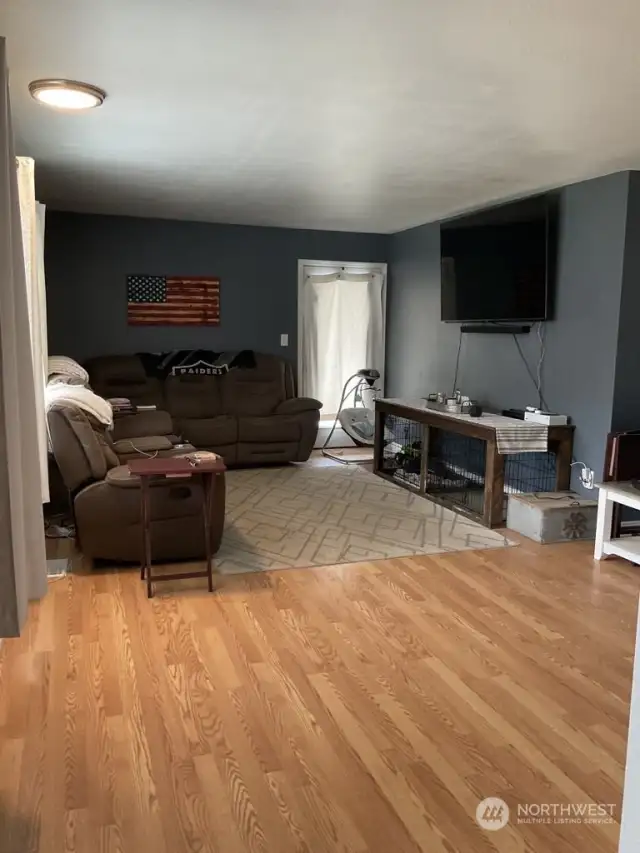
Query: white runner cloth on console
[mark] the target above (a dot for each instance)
(512, 434)
(527, 438)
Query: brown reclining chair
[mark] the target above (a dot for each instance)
(106, 498)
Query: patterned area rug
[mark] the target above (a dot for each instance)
(301, 516)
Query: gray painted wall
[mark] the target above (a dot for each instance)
(421, 350)
(88, 257)
(590, 365)
(582, 340)
(626, 402)
(580, 362)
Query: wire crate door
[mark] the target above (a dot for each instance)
(402, 452)
(456, 466)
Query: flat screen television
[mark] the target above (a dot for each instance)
(497, 265)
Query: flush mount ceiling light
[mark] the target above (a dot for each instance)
(66, 94)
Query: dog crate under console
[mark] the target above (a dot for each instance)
(455, 459)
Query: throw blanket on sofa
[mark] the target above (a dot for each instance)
(195, 362)
(81, 397)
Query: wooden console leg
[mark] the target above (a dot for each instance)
(493, 509)
(564, 450)
(378, 440)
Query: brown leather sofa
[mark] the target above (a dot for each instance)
(106, 497)
(248, 415)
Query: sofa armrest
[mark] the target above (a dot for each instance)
(297, 405)
(142, 424)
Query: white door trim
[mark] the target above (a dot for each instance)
(325, 267)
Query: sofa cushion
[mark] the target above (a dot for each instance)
(124, 376)
(209, 432)
(128, 368)
(193, 396)
(254, 391)
(229, 453)
(142, 423)
(268, 429)
(80, 446)
(298, 405)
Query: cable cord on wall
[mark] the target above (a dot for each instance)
(455, 375)
(541, 401)
(542, 332)
(535, 378)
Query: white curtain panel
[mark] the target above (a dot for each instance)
(22, 551)
(32, 221)
(342, 332)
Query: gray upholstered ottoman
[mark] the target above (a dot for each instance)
(552, 516)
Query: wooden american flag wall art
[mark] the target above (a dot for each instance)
(159, 300)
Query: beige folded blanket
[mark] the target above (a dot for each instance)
(81, 397)
(62, 365)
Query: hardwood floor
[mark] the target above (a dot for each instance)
(357, 708)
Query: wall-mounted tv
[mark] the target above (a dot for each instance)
(498, 264)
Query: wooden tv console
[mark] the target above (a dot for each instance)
(474, 478)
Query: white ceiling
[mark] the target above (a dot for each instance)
(370, 115)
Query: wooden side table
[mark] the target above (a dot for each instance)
(175, 466)
(611, 494)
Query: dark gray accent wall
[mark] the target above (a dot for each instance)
(626, 401)
(579, 371)
(420, 350)
(592, 344)
(88, 258)
(580, 363)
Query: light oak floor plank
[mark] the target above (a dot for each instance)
(364, 708)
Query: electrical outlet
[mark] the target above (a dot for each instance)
(587, 478)
(284, 340)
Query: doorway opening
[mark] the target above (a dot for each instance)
(341, 329)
